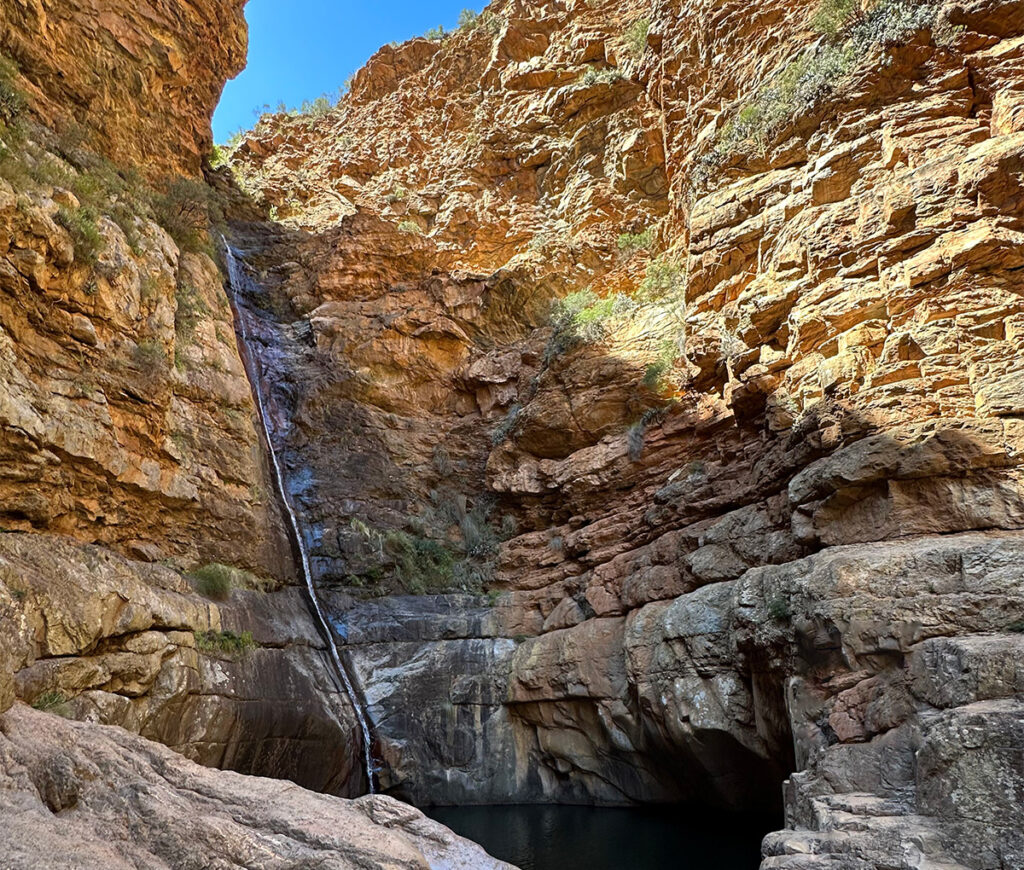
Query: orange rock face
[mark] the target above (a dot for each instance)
(816, 386)
(141, 81)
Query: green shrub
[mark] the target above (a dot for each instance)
(635, 37)
(224, 642)
(317, 108)
(410, 227)
(435, 34)
(815, 72)
(1016, 627)
(218, 157)
(470, 20)
(594, 76)
(421, 565)
(779, 608)
(654, 375)
(630, 243)
(12, 98)
(188, 210)
(50, 702)
(81, 225)
(581, 318)
(665, 279)
(831, 15)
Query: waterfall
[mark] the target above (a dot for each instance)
(237, 278)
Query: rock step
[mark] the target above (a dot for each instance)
(859, 839)
(954, 671)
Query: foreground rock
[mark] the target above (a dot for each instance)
(75, 795)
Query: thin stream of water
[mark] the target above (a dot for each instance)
(237, 278)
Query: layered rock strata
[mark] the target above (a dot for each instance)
(93, 636)
(772, 546)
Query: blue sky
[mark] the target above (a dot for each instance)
(299, 49)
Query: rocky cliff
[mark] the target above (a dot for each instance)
(746, 504)
(144, 566)
(647, 382)
(138, 82)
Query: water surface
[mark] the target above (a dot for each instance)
(601, 838)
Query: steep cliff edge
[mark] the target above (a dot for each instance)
(758, 478)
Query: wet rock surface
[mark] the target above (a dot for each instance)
(103, 639)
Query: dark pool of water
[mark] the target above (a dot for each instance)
(600, 838)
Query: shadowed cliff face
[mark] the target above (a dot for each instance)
(758, 577)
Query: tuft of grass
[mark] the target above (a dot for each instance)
(149, 357)
(410, 227)
(50, 702)
(81, 225)
(216, 580)
(224, 642)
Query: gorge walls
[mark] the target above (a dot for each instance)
(647, 380)
(749, 502)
